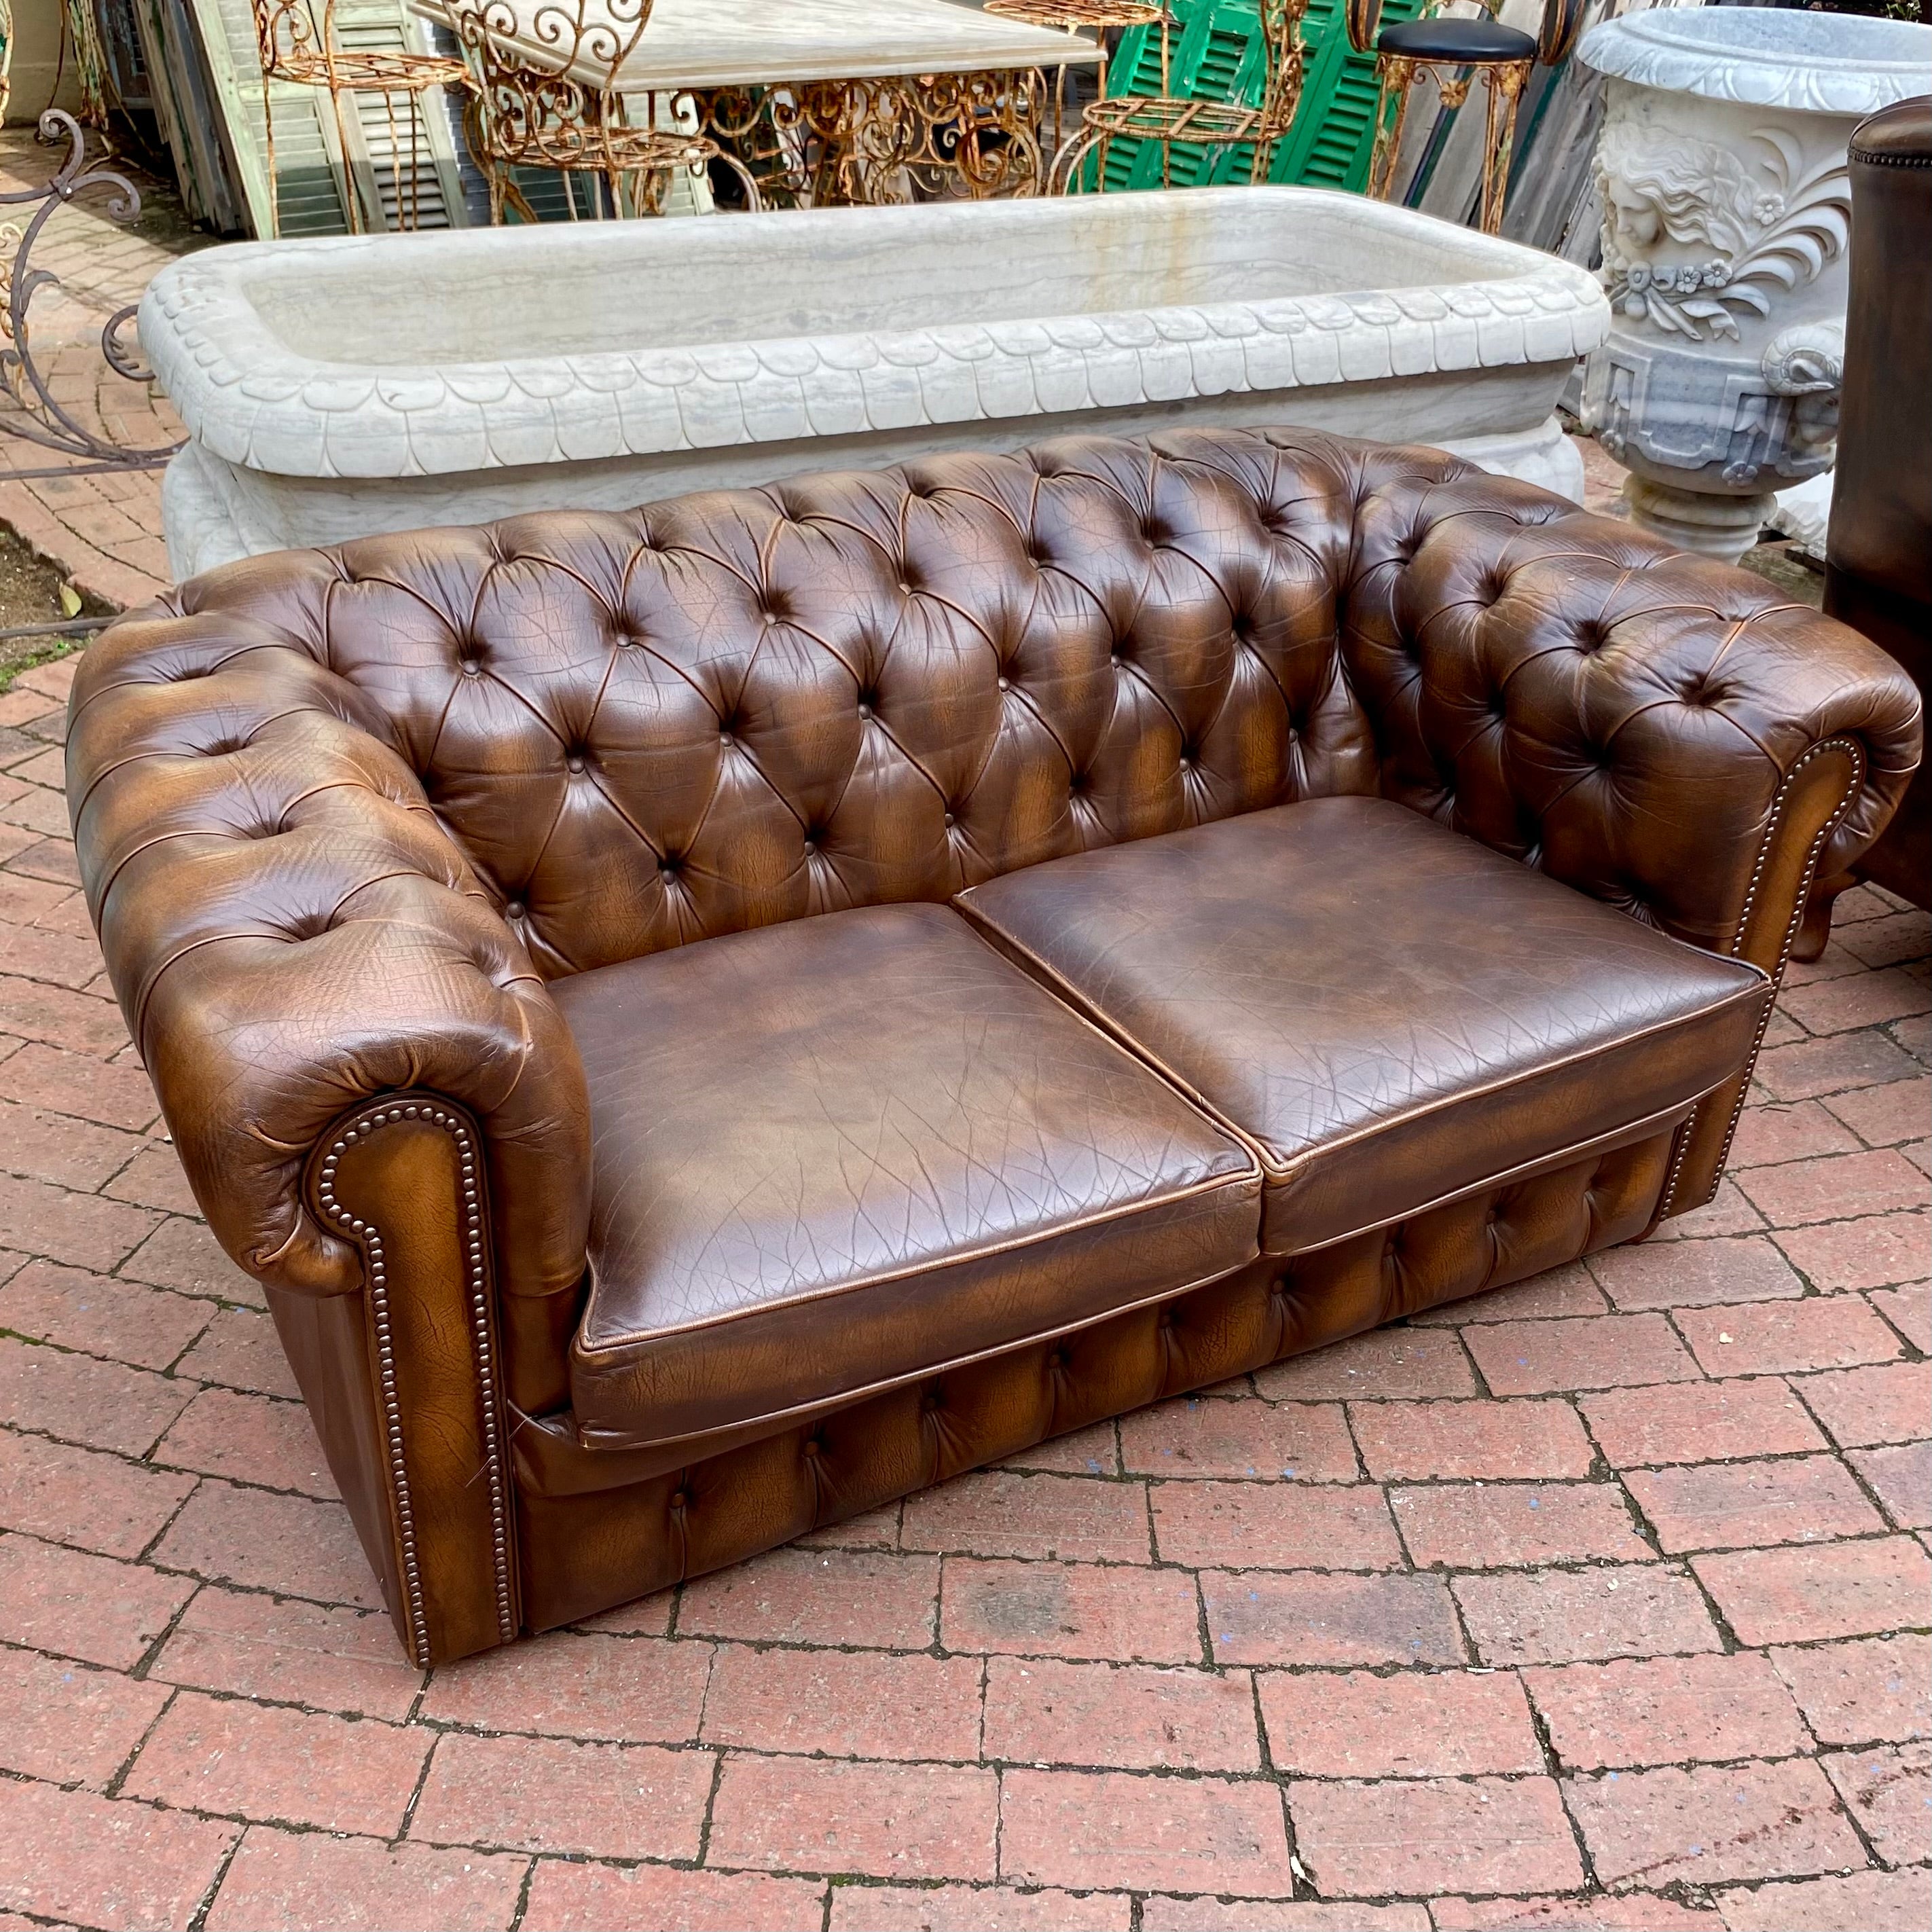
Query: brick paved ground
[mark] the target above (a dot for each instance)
(1602, 1601)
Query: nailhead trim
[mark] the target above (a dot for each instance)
(1791, 932)
(476, 1283)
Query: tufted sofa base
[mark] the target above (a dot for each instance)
(587, 1552)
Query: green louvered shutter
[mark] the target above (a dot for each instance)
(1333, 137)
(1217, 55)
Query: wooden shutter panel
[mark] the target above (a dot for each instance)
(1218, 55)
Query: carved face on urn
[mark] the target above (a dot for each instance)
(1659, 188)
(1701, 235)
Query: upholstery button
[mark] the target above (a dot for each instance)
(812, 1446)
(1057, 1359)
(725, 738)
(1006, 684)
(679, 1499)
(472, 667)
(574, 762)
(1115, 659)
(905, 588)
(865, 711)
(513, 909)
(950, 821)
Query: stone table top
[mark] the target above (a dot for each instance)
(702, 43)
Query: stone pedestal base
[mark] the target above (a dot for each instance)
(1724, 527)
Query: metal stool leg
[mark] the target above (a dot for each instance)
(1396, 75)
(1503, 84)
(275, 193)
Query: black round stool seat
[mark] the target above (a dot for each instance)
(1466, 43)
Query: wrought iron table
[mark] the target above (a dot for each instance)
(842, 101)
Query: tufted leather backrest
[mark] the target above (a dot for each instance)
(743, 707)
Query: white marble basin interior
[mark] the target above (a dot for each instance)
(487, 296)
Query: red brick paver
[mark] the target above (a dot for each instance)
(1600, 1602)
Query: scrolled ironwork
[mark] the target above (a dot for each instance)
(547, 80)
(27, 408)
(886, 138)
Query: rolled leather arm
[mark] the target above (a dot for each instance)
(1667, 734)
(1631, 720)
(291, 933)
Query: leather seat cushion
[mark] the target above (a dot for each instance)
(1465, 42)
(1389, 1011)
(847, 1151)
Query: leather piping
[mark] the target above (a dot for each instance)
(476, 1285)
(1607, 1142)
(804, 1411)
(1799, 903)
(1279, 1170)
(910, 1269)
(1604, 1143)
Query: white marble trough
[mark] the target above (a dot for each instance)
(336, 387)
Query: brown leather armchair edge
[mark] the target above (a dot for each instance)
(281, 995)
(1634, 791)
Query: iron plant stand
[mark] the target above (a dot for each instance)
(27, 408)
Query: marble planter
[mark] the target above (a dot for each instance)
(336, 387)
(1726, 209)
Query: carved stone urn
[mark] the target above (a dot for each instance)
(1726, 209)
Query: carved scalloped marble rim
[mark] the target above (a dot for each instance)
(249, 399)
(1766, 57)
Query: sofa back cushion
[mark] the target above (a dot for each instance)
(743, 707)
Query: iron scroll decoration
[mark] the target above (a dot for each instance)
(28, 408)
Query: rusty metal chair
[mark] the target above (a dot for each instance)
(1453, 48)
(547, 75)
(1073, 16)
(1166, 118)
(298, 45)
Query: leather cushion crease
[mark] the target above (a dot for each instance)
(1326, 978)
(705, 1019)
(835, 1154)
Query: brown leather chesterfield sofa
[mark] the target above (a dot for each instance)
(706, 1020)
